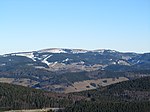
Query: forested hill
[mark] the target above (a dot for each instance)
(138, 89)
(129, 96)
(19, 97)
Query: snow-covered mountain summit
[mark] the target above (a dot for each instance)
(56, 59)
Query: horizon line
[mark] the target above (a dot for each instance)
(26, 51)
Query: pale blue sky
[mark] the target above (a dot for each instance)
(27, 25)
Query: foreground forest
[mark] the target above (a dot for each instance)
(128, 96)
(19, 97)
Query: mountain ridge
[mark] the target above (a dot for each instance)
(55, 69)
(78, 49)
(61, 57)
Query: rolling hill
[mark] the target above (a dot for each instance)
(18, 97)
(56, 69)
(128, 96)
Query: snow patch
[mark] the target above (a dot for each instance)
(53, 50)
(3, 64)
(5, 55)
(82, 62)
(67, 59)
(54, 63)
(45, 60)
(138, 61)
(28, 55)
(111, 51)
(122, 62)
(76, 51)
(114, 63)
(99, 50)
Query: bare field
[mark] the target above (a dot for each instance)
(75, 87)
(21, 81)
(6, 80)
(88, 84)
(35, 110)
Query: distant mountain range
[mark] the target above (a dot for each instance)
(56, 59)
(55, 69)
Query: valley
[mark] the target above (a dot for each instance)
(75, 87)
(64, 70)
(130, 96)
(67, 80)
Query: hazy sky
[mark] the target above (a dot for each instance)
(27, 25)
